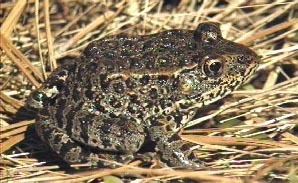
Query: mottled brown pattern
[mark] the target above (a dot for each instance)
(125, 90)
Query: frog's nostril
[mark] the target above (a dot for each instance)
(245, 59)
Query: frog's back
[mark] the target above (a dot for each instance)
(144, 75)
(162, 52)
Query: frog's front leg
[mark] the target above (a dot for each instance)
(76, 150)
(172, 149)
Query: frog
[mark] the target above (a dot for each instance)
(125, 91)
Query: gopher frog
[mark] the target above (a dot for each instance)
(127, 90)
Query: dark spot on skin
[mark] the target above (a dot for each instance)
(106, 142)
(126, 53)
(175, 84)
(153, 93)
(132, 109)
(149, 65)
(169, 104)
(162, 62)
(140, 116)
(127, 43)
(184, 106)
(133, 98)
(164, 103)
(184, 61)
(174, 138)
(130, 83)
(150, 104)
(148, 45)
(159, 50)
(94, 141)
(136, 64)
(115, 103)
(119, 87)
(91, 51)
(162, 79)
(100, 108)
(110, 55)
(156, 110)
(145, 80)
(85, 122)
(178, 118)
(102, 68)
(123, 64)
(185, 147)
(106, 127)
(59, 116)
(192, 45)
(103, 82)
(111, 67)
(77, 93)
(121, 123)
(169, 118)
(112, 115)
(89, 94)
(93, 66)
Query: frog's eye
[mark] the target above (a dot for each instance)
(213, 67)
(208, 33)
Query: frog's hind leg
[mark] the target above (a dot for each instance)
(73, 152)
(172, 149)
(117, 134)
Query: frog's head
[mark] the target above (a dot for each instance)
(220, 66)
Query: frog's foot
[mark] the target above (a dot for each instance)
(74, 152)
(176, 154)
(173, 150)
(146, 157)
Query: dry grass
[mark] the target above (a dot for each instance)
(252, 137)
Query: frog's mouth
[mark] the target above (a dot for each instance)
(251, 70)
(199, 100)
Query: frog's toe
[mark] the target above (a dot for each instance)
(146, 157)
(179, 159)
